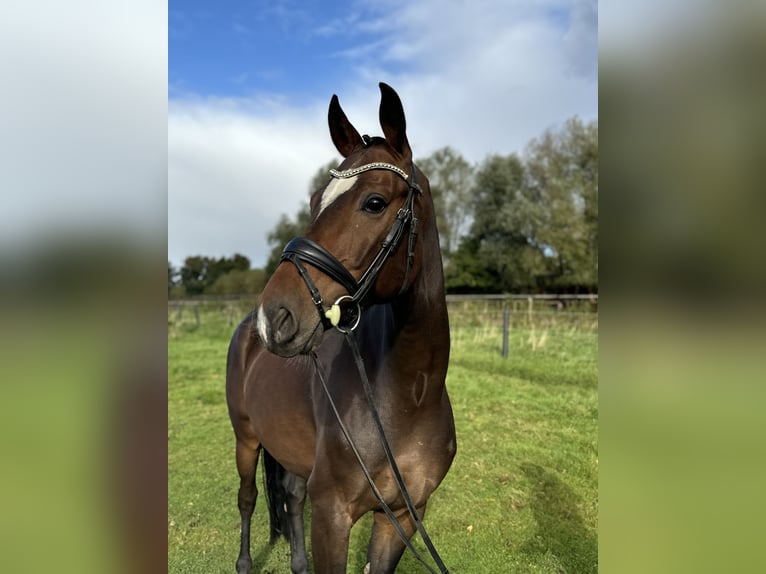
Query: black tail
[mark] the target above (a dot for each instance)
(276, 495)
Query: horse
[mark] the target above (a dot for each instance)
(390, 290)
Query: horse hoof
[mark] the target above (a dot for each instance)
(244, 565)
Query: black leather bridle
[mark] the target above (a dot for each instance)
(345, 313)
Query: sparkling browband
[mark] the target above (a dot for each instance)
(345, 174)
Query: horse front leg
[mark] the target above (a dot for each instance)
(386, 546)
(330, 529)
(247, 461)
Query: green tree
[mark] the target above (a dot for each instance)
(562, 171)
(200, 272)
(193, 274)
(466, 273)
(239, 282)
(535, 225)
(506, 219)
(451, 179)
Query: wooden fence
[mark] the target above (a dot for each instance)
(510, 311)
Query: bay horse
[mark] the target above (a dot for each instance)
(354, 249)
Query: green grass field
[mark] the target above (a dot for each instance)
(521, 496)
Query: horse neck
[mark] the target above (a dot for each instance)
(421, 313)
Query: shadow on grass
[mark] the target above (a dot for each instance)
(561, 529)
(260, 559)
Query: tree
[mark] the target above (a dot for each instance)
(466, 273)
(193, 273)
(451, 179)
(225, 265)
(200, 272)
(535, 225)
(504, 229)
(239, 282)
(562, 170)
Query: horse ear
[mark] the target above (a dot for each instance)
(344, 135)
(392, 120)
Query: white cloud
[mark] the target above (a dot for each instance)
(488, 76)
(233, 168)
(484, 77)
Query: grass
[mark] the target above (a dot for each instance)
(521, 496)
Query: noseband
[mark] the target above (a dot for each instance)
(303, 250)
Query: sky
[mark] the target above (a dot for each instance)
(249, 84)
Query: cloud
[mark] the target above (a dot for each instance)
(233, 168)
(482, 77)
(488, 76)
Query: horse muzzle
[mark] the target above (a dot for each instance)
(287, 332)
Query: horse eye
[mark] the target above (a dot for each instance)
(375, 204)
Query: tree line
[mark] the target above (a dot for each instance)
(512, 223)
(202, 275)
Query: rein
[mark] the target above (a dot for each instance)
(303, 250)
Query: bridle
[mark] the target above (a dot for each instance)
(303, 250)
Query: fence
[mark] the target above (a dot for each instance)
(493, 318)
(234, 308)
(527, 305)
(489, 316)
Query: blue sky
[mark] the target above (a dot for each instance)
(236, 48)
(249, 84)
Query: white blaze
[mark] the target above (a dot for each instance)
(336, 188)
(261, 324)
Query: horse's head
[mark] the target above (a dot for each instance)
(362, 244)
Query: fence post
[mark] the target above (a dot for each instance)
(506, 321)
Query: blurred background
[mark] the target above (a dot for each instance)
(83, 174)
(681, 92)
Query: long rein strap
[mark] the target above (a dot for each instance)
(351, 340)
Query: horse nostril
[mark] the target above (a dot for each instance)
(284, 325)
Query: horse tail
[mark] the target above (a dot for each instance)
(276, 496)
